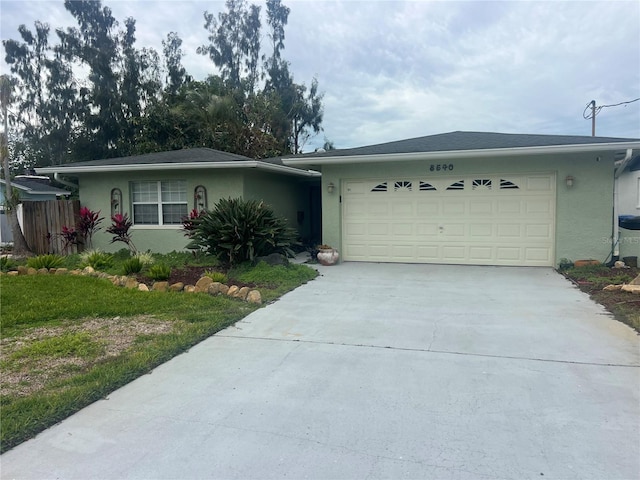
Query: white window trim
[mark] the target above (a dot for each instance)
(159, 204)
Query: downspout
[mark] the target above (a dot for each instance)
(615, 250)
(59, 179)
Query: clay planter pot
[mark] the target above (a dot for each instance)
(328, 256)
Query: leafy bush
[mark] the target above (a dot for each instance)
(216, 276)
(238, 230)
(145, 257)
(87, 224)
(45, 261)
(132, 265)
(159, 272)
(96, 259)
(6, 264)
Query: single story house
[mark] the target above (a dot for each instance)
(474, 198)
(157, 190)
(628, 206)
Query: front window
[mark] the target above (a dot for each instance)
(159, 203)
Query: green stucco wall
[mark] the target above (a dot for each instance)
(284, 193)
(583, 213)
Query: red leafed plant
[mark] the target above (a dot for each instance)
(190, 222)
(87, 224)
(70, 237)
(120, 225)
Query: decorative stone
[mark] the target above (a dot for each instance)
(612, 288)
(131, 283)
(224, 289)
(32, 271)
(254, 297)
(22, 270)
(160, 286)
(233, 289)
(202, 285)
(77, 272)
(243, 292)
(190, 289)
(13, 273)
(142, 287)
(176, 287)
(43, 271)
(214, 288)
(62, 271)
(620, 264)
(88, 270)
(635, 281)
(631, 289)
(328, 256)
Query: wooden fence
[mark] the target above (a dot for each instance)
(43, 222)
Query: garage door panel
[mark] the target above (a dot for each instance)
(483, 220)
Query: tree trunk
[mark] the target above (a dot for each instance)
(20, 247)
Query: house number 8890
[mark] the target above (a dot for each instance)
(440, 167)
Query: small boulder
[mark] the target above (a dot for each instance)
(13, 273)
(88, 270)
(62, 271)
(233, 289)
(32, 271)
(631, 289)
(254, 297)
(202, 285)
(77, 272)
(43, 271)
(22, 270)
(214, 288)
(131, 283)
(160, 286)
(243, 292)
(190, 288)
(142, 287)
(612, 288)
(176, 287)
(224, 289)
(620, 264)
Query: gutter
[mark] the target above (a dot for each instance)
(59, 179)
(177, 166)
(615, 237)
(457, 154)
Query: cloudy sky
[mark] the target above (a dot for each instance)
(392, 70)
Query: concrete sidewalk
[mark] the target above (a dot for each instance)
(377, 371)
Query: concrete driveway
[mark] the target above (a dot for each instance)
(377, 371)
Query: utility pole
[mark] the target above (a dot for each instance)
(593, 118)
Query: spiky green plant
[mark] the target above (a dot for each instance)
(45, 261)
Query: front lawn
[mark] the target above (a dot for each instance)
(68, 341)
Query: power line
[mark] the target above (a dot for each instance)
(595, 110)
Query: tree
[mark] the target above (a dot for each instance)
(234, 43)
(176, 73)
(20, 247)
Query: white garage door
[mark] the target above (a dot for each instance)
(478, 220)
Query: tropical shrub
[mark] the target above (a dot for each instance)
(159, 272)
(145, 257)
(120, 225)
(70, 237)
(6, 264)
(45, 261)
(97, 259)
(216, 276)
(238, 230)
(132, 265)
(87, 224)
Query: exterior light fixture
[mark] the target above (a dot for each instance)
(331, 187)
(569, 181)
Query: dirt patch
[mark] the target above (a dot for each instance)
(23, 376)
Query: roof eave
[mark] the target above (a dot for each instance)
(453, 154)
(131, 167)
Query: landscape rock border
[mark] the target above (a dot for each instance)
(204, 285)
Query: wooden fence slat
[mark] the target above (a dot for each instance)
(43, 222)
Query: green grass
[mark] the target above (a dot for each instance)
(52, 313)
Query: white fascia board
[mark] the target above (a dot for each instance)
(137, 167)
(453, 154)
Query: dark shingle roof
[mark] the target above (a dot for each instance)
(37, 187)
(455, 141)
(187, 155)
